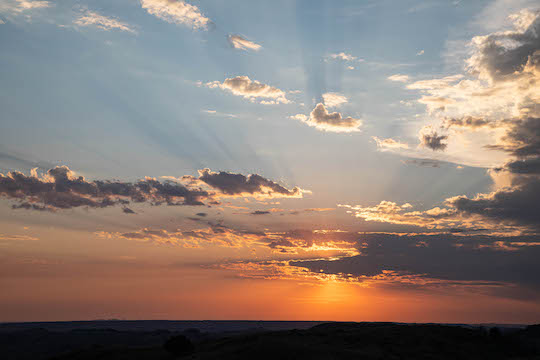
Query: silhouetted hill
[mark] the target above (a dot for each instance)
(324, 341)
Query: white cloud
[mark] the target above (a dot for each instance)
(334, 99)
(343, 56)
(177, 12)
(240, 43)
(91, 18)
(251, 89)
(20, 7)
(322, 120)
(389, 143)
(421, 52)
(399, 78)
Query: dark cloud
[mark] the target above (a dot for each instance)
(523, 167)
(522, 139)
(448, 257)
(429, 138)
(238, 184)
(60, 188)
(127, 210)
(496, 60)
(423, 162)
(201, 214)
(260, 212)
(517, 205)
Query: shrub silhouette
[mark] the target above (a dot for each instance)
(179, 345)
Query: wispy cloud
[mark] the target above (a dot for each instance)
(240, 43)
(92, 18)
(251, 89)
(334, 99)
(177, 12)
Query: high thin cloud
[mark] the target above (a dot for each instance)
(251, 89)
(343, 56)
(389, 143)
(240, 43)
(334, 99)
(399, 78)
(22, 7)
(177, 12)
(92, 18)
(61, 188)
(322, 120)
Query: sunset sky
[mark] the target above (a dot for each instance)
(362, 160)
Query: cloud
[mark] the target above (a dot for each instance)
(421, 52)
(389, 143)
(22, 7)
(438, 260)
(399, 78)
(251, 89)
(516, 205)
(231, 184)
(343, 56)
(214, 235)
(177, 12)
(522, 166)
(334, 99)
(322, 120)
(17, 238)
(424, 162)
(91, 18)
(60, 188)
(240, 43)
(429, 138)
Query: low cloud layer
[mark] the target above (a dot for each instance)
(322, 120)
(240, 43)
(177, 12)
(251, 89)
(428, 260)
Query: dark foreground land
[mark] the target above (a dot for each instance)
(322, 341)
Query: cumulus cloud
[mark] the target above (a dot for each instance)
(430, 139)
(322, 120)
(60, 188)
(92, 18)
(251, 89)
(334, 99)
(399, 78)
(231, 184)
(389, 143)
(177, 12)
(240, 43)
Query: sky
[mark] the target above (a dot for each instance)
(366, 160)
